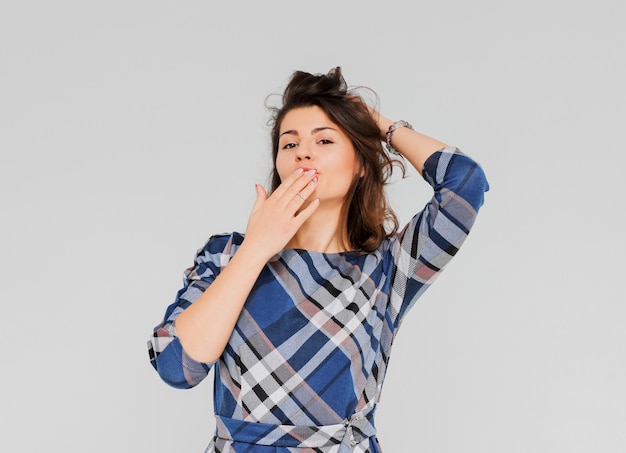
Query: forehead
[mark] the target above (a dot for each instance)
(305, 118)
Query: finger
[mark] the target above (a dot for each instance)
(287, 182)
(301, 196)
(300, 185)
(261, 196)
(294, 183)
(303, 215)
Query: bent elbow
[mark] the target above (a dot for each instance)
(177, 369)
(474, 186)
(174, 379)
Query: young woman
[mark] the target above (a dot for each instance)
(298, 315)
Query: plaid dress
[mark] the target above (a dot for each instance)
(304, 367)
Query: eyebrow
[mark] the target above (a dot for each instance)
(313, 131)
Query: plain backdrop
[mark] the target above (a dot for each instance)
(130, 131)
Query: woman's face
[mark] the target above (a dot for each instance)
(309, 140)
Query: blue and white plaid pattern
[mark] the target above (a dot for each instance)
(304, 367)
(343, 437)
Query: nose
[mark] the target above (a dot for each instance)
(303, 152)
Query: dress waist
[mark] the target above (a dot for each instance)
(349, 433)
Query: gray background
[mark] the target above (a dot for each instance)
(130, 131)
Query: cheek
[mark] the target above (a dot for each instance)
(350, 164)
(281, 168)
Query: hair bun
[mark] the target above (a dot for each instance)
(304, 86)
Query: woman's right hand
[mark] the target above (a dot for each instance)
(275, 219)
(205, 326)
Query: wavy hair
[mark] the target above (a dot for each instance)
(368, 218)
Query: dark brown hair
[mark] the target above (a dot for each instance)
(368, 218)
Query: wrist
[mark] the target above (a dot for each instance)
(383, 125)
(253, 256)
(389, 134)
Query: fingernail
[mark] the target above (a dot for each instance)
(299, 171)
(310, 172)
(314, 180)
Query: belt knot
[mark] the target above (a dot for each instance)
(357, 428)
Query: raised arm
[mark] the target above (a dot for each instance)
(434, 235)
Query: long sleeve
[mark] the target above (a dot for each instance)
(166, 353)
(433, 236)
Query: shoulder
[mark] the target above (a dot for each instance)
(213, 256)
(223, 240)
(220, 246)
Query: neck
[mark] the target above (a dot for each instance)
(323, 232)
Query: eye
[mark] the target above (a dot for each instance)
(288, 145)
(325, 141)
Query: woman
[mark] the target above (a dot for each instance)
(298, 315)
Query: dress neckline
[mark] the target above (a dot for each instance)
(301, 251)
